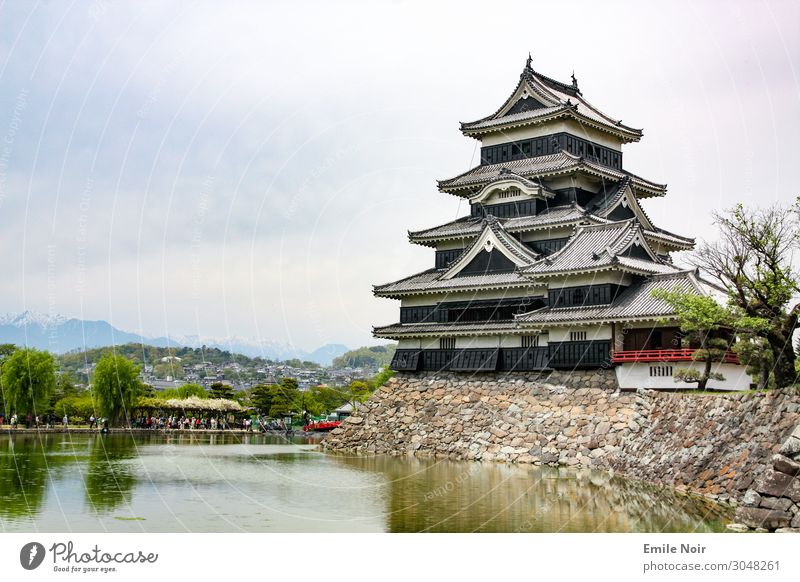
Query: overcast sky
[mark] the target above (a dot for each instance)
(252, 169)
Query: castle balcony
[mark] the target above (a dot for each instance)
(673, 355)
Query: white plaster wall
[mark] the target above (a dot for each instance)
(593, 332)
(417, 300)
(408, 344)
(490, 341)
(429, 343)
(451, 244)
(637, 375)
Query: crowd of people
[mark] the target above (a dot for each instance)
(182, 422)
(173, 422)
(30, 421)
(176, 422)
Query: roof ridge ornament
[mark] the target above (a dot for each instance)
(528, 62)
(574, 80)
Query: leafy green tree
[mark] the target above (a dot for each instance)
(75, 406)
(261, 398)
(324, 400)
(29, 379)
(65, 387)
(755, 353)
(357, 392)
(371, 357)
(797, 361)
(220, 390)
(115, 384)
(147, 391)
(381, 377)
(284, 396)
(5, 352)
(188, 390)
(753, 260)
(700, 317)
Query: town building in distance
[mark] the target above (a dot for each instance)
(555, 266)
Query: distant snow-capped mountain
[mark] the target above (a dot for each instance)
(29, 317)
(59, 334)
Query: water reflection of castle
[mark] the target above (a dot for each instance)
(446, 496)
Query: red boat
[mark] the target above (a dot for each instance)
(321, 426)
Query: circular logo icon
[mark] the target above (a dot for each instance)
(31, 555)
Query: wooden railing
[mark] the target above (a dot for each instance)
(680, 355)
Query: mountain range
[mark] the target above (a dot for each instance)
(59, 334)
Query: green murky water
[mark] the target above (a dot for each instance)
(230, 483)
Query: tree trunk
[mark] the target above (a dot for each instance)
(785, 374)
(763, 376)
(780, 342)
(701, 384)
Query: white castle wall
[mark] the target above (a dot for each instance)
(637, 375)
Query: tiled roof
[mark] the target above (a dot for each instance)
(636, 302)
(602, 204)
(597, 247)
(510, 244)
(604, 201)
(417, 329)
(558, 99)
(448, 279)
(539, 166)
(485, 173)
(670, 236)
(644, 266)
(430, 282)
(468, 227)
(492, 122)
(568, 215)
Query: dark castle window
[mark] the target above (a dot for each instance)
(551, 144)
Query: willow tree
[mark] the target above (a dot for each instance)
(115, 384)
(753, 259)
(29, 379)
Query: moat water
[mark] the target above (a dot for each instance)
(256, 483)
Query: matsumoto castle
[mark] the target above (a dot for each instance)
(555, 266)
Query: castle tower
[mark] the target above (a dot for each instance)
(555, 265)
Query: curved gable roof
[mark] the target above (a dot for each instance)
(553, 99)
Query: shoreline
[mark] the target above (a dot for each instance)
(139, 431)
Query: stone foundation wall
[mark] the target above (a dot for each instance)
(526, 418)
(773, 501)
(715, 445)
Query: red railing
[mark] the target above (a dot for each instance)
(681, 355)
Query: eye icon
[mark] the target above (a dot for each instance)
(31, 555)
